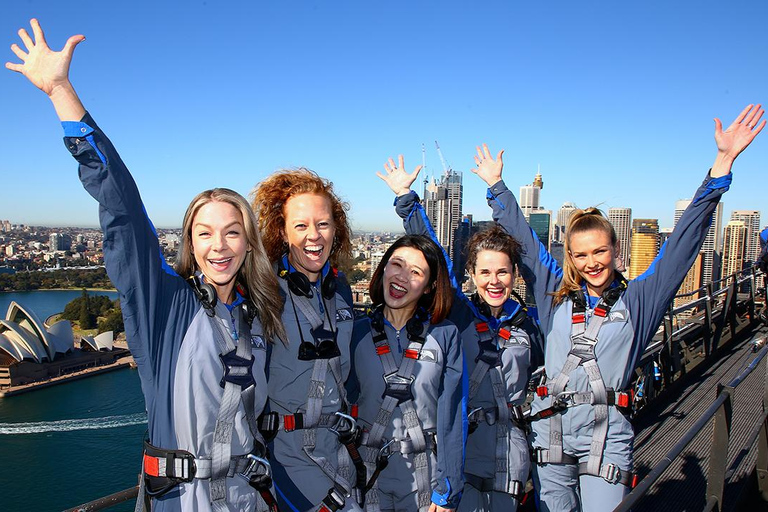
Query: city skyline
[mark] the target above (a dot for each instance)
(222, 96)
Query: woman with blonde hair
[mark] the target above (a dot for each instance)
(306, 234)
(597, 326)
(199, 334)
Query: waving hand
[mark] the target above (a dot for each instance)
(398, 179)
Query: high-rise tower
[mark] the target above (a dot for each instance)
(564, 215)
(530, 196)
(645, 245)
(621, 220)
(751, 220)
(710, 263)
(734, 247)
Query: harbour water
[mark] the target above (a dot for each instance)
(66, 445)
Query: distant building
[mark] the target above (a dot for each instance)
(691, 282)
(443, 205)
(645, 245)
(734, 247)
(530, 196)
(539, 220)
(751, 220)
(564, 215)
(621, 220)
(30, 351)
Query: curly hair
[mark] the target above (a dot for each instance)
(255, 275)
(581, 221)
(268, 201)
(493, 239)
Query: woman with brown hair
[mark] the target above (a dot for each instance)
(502, 344)
(409, 375)
(199, 334)
(306, 233)
(597, 326)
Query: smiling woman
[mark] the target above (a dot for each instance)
(305, 230)
(416, 411)
(188, 341)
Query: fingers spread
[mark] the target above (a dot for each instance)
(400, 162)
(21, 54)
(743, 114)
(486, 152)
(13, 67)
(26, 39)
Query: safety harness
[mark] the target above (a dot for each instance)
(398, 393)
(489, 363)
(584, 338)
(324, 351)
(165, 469)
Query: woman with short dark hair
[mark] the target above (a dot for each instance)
(408, 372)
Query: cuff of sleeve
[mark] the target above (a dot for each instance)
(76, 129)
(722, 183)
(443, 500)
(498, 188)
(764, 235)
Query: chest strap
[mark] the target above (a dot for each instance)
(398, 393)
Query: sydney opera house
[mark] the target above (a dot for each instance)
(31, 351)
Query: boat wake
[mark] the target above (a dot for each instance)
(70, 425)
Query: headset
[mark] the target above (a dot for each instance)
(299, 284)
(204, 292)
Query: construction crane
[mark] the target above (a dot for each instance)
(424, 168)
(446, 167)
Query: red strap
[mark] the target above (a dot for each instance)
(623, 399)
(634, 482)
(323, 508)
(600, 312)
(579, 318)
(151, 465)
(542, 391)
(411, 354)
(505, 333)
(353, 410)
(289, 421)
(481, 327)
(382, 349)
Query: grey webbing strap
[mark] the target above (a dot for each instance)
(222, 436)
(317, 387)
(404, 373)
(582, 353)
(501, 481)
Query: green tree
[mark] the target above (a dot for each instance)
(87, 318)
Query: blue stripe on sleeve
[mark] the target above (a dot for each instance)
(723, 182)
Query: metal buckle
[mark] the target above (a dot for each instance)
(384, 451)
(564, 397)
(344, 419)
(398, 387)
(612, 474)
(253, 466)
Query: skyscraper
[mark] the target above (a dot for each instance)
(710, 265)
(530, 196)
(539, 220)
(734, 247)
(621, 220)
(751, 219)
(443, 205)
(563, 217)
(645, 245)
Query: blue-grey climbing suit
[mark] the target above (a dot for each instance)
(175, 343)
(411, 389)
(312, 469)
(500, 355)
(586, 452)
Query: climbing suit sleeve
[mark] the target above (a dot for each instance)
(538, 267)
(762, 260)
(649, 295)
(132, 253)
(451, 423)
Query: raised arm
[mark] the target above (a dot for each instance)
(538, 267)
(651, 293)
(132, 255)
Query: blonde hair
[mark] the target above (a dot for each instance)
(255, 274)
(582, 220)
(270, 196)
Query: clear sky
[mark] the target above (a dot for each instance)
(614, 100)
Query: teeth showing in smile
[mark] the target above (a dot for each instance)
(595, 272)
(221, 262)
(398, 288)
(314, 250)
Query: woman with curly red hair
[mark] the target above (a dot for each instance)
(306, 234)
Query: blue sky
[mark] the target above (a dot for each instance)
(614, 100)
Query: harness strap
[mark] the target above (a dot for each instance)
(611, 473)
(516, 487)
(398, 394)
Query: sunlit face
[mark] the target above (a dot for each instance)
(593, 255)
(494, 278)
(309, 232)
(406, 277)
(219, 245)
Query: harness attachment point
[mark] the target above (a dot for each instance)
(237, 370)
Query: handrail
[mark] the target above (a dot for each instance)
(721, 406)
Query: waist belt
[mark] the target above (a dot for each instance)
(611, 473)
(516, 488)
(402, 446)
(490, 415)
(566, 399)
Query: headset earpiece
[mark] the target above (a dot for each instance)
(204, 292)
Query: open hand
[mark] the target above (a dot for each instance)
(438, 508)
(487, 168)
(397, 178)
(740, 133)
(46, 69)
